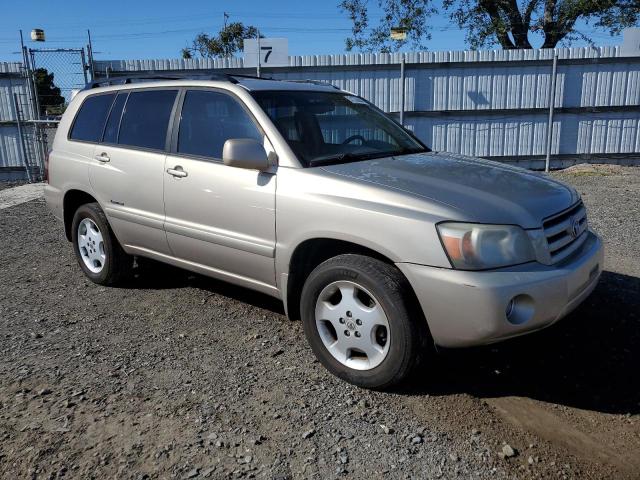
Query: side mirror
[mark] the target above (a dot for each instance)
(245, 153)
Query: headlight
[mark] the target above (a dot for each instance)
(478, 247)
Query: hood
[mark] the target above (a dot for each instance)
(479, 190)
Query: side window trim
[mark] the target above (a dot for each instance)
(104, 128)
(175, 125)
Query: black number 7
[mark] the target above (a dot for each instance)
(269, 50)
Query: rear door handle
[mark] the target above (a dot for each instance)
(177, 171)
(103, 157)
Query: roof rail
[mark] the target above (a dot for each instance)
(125, 80)
(315, 82)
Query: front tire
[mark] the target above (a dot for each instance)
(99, 254)
(361, 321)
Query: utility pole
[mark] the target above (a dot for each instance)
(225, 16)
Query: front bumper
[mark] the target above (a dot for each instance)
(469, 308)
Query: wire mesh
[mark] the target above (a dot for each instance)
(56, 74)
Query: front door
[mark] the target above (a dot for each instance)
(219, 217)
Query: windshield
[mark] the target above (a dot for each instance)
(325, 127)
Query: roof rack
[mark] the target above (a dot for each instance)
(219, 76)
(146, 78)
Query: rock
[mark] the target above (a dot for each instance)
(416, 440)
(193, 473)
(385, 429)
(44, 391)
(530, 460)
(208, 471)
(454, 457)
(508, 451)
(308, 434)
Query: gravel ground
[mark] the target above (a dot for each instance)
(6, 185)
(179, 376)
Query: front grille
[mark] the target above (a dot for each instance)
(566, 232)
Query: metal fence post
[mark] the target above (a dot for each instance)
(23, 150)
(258, 66)
(90, 54)
(402, 82)
(552, 102)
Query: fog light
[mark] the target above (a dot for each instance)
(509, 309)
(519, 310)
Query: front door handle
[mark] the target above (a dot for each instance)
(177, 171)
(103, 157)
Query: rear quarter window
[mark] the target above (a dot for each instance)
(91, 117)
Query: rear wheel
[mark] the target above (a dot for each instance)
(360, 320)
(99, 254)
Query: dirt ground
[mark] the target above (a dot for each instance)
(179, 376)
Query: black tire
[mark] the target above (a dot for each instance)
(117, 263)
(408, 336)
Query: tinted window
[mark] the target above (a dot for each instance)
(90, 120)
(111, 130)
(325, 127)
(146, 118)
(208, 120)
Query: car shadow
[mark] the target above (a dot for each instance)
(152, 275)
(588, 360)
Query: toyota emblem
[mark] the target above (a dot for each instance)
(575, 227)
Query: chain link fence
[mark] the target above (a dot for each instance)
(52, 76)
(56, 74)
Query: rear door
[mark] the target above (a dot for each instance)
(218, 216)
(127, 172)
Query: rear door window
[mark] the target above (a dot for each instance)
(146, 118)
(208, 120)
(89, 121)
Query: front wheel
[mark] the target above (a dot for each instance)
(361, 322)
(99, 254)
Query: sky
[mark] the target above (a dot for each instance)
(137, 29)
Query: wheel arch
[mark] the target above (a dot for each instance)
(73, 199)
(310, 253)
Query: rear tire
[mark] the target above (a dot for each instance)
(361, 320)
(99, 254)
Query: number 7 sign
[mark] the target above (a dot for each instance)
(273, 52)
(267, 52)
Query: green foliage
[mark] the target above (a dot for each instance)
(228, 41)
(508, 23)
(49, 95)
(411, 15)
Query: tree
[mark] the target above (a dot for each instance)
(409, 15)
(228, 41)
(49, 95)
(508, 23)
